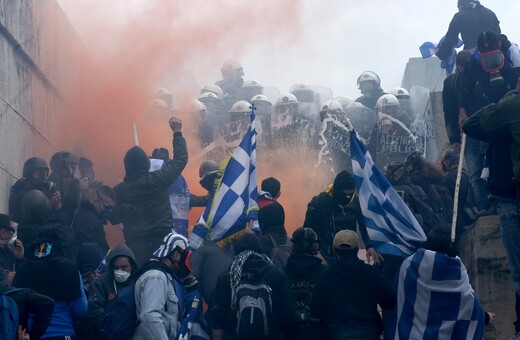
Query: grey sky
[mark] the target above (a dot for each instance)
(335, 41)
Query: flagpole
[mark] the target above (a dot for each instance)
(457, 189)
(134, 133)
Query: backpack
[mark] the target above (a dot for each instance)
(119, 320)
(254, 308)
(280, 252)
(8, 316)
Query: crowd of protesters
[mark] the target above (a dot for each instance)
(60, 279)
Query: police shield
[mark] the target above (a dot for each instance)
(423, 125)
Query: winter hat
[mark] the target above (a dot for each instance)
(89, 257)
(271, 215)
(344, 180)
(137, 163)
(248, 242)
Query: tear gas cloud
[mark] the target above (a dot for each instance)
(132, 47)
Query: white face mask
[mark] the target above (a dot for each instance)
(120, 275)
(10, 242)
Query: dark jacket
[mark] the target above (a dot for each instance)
(88, 227)
(283, 305)
(303, 271)
(326, 218)
(500, 181)
(370, 100)
(469, 22)
(207, 264)
(450, 106)
(31, 304)
(103, 289)
(278, 234)
(346, 297)
(505, 117)
(142, 200)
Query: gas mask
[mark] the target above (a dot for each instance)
(121, 276)
(492, 62)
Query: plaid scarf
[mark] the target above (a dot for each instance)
(236, 271)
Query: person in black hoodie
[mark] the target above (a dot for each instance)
(338, 209)
(271, 219)
(303, 271)
(347, 294)
(47, 272)
(142, 200)
(251, 267)
(121, 265)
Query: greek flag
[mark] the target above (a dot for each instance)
(428, 49)
(435, 299)
(237, 194)
(391, 226)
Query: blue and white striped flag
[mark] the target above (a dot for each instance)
(391, 225)
(237, 193)
(435, 299)
(429, 49)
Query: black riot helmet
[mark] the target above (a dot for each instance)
(305, 240)
(35, 205)
(33, 164)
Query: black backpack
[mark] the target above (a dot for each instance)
(254, 308)
(120, 317)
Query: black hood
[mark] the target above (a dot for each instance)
(343, 181)
(121, 250)
(137, 163)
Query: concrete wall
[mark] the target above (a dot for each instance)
(482, 251)
(34, 67)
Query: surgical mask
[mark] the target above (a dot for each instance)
(120, 275)
(492, 62)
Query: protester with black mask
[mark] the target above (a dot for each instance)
(208, 173)
(337, 209)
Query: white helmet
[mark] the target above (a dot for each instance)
(251, 83)
(369, 76)
(303, 92)
(260, 98)
(208, 96)
(286, 99)
(400, 93)
(332, 106)
(214, 89)
(171, 242)
(231, 64)
(159, 103)
(198, 106)
(385, 102)
(240, 107)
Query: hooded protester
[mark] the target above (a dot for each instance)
(270, 191)
(337, 209)
(120, 266)
(348, 293)
(252, 276)
(275, 242)
(303, 271)
(471, 19)
(142, 200)
(47, 272)
(35, 177)
(31, 305)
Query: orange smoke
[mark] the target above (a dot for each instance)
(131, 48)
